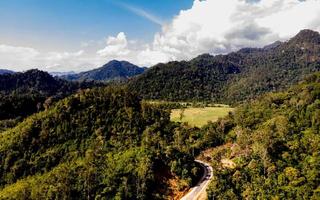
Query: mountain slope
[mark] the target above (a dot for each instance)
(22, 94)
(273, 147)
(114, 70)
(97, 144)
(5, 71)
(234, 77)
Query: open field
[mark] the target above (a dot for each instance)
(199, 116)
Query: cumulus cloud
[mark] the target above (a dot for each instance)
(23, 58)
(214, 26)
(116, 46)
(209, 26)
(222, 26)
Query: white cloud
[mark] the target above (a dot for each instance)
(221, 26)
(116, 46)
(8, 52)
(209, 26)
(23, 58)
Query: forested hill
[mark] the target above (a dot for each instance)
(234, 77)
(5, 71)
(113, 70)
(97, 144)
(273, 150)
(37, 81)
(22, 94)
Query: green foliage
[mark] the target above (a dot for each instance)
(278, 154)
(22, 94)
(101, 143)
(234, 77)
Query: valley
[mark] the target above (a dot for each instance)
(243, 125)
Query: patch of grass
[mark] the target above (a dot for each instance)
(200, 116)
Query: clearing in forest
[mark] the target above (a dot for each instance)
(200, 116)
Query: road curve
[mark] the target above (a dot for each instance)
(202, 185)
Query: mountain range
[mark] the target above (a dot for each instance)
(234, 77)
(113, 70)
(64, 139)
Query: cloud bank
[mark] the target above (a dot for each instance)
(209, 26)
(221, 26)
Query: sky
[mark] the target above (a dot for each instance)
(78, 35)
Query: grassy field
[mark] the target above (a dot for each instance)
(199, 116)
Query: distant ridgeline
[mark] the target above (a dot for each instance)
(5, 71)
(236, 76)
(22, 94)
(112, 71)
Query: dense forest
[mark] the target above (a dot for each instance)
(273, 148)
(22, 94)
(236, 76)
(97, 144)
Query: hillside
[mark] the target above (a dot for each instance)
(236, 76)
(272, 151)
(113, 70)
(22, 94)
(5, 71)
(100, 143)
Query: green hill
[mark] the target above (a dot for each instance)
(273, 150)
(236, 76)
(22, 94)
(113, 70)
(97, 144)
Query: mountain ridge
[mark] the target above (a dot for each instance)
(6, 71)
(113, 70)
(234, 77)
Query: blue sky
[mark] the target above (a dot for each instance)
(57, 24)
(78, 35)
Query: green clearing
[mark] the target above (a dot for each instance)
(200, 116)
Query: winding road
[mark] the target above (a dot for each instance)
(202, 185)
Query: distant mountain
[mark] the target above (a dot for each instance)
(62, 73)
(22, 94)
(5, 71)
(113, 70)
(236, 76)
